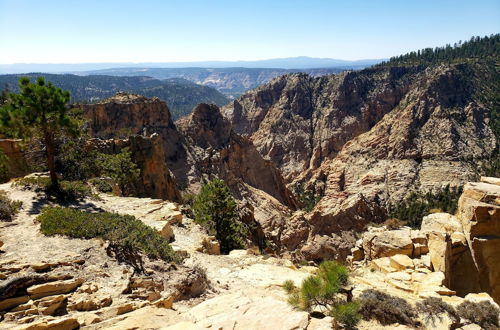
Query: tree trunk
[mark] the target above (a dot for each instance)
(49, 148)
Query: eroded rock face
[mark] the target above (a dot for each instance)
(148, 153)
(215, 150)
(479, 213)
(366, 139)
(16, 160)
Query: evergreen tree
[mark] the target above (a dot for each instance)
(121, 169)
(38, 110)
(215, 208)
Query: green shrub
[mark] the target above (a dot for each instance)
(289, 286)
(76, 161)
(8, 207)
(386, 309)
(307, 199)
(124, 232)
(347, 314)
(121, 169)
(67, 190)
(325, 290)
(215, 208)
(417, 205)
(4, 167)
(481, 313)
(101, 185)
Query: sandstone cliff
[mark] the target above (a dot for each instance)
(215, 150)
(146, 127)
(362, 140)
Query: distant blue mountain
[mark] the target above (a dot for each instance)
(301, 62)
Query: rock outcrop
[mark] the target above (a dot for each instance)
(127, 114)
(463, 249)
(148, 153)
(215, 150)
(16, 165)
(479, 214)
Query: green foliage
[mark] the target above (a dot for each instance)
(125, 232)
(4, 167)
(102, 185)
(386, 309)
(121, 169)
(433, 309)
(347, 314)
(475, 48)
(215, 208)
(307, 199)
(67, 190)
(77, 161)
(418, 205)
(324, 290)
(8, 207)
(180, 95)
(481, 313)
(38, 110)
(289, 286)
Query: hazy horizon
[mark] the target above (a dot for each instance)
(151, 31)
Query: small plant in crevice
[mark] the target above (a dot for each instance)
(307, 198)
(326, 291)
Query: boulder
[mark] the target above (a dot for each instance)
(379, 242)
(401, 262)
(13, 302)
(68, 323)
(210, 245)
(441, 223)
(440, 253)
(53, 288)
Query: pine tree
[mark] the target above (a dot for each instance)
(215, 208)
(38, 110)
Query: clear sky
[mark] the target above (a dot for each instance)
(71, 31)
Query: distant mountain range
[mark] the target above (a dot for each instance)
(181, 95)
(232, 82)
(301, 62)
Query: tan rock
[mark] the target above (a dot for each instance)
(88, 318)
(165, 302)
(490, 180)
(68, 323)
(53, 288)
(236, 311)
(440, 253)
(479, 213)
(401, 262)
(441, 223)
(210, 245)
(84, 302)
(52, 305)
(13, 302)
(378, 242)
(383, 265)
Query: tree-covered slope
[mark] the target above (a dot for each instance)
(181, 95)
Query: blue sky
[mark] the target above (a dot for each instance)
(70, 31)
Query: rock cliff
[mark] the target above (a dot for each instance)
(363, 140)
